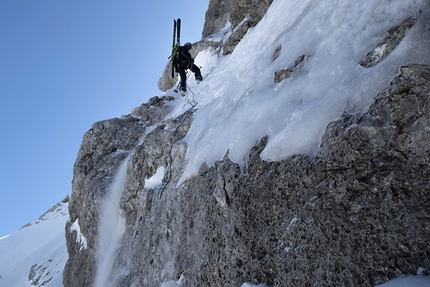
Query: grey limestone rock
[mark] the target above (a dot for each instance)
(242, 14)
(283, 74)
(234, 11)
(354, 215)
(166, 82)
(103, 149)
(388, 44)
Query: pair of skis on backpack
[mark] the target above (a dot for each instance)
(175, 45)
(175, 51)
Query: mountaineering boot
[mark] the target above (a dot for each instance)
(183, 91)
(199, 79)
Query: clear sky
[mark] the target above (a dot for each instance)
(63, 66)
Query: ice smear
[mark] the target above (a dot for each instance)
(408, 281)
(246, 284)
(80, 238)
(239, 103)
(221, 35)
(156, 179)
(173, 283)
(111, 228)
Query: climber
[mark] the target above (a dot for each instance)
(186, 62)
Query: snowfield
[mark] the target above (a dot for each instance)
(37, 252)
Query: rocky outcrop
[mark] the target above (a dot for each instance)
(388, 44)
(378, 54)
(103, 149)
(166, 82)
(354, 215)
(241, 14)
(283, 74)
(220, 12)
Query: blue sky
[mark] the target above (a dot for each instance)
(63, 66)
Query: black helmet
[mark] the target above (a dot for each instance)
(188, 45)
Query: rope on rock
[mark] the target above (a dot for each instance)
(191, 100)
(181, 118)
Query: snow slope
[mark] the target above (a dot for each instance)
(36, 253)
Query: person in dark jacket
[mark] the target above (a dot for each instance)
(186, 62)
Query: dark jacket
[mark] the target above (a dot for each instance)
(185, 60)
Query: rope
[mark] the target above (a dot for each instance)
(181, 118)
(192, 102)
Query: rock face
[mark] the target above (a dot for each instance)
(283, 74)
(354, 215)
(242, 14)
(220, 12)
(391, 41)
(103, 149)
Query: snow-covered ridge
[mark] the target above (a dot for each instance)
(36, 254)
